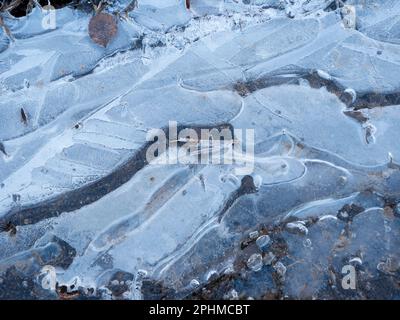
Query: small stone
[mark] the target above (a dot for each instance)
(263, 241)
(253, 234)
(103, 28)
(255, 262)
(307, 243)
(348, 14)
(396, 210)
(297, 227)
(194, 283)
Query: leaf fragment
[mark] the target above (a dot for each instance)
(103, 28)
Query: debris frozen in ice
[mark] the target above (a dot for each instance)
(255, 262)
(102, 28)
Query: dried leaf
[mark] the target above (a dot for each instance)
(102, 28)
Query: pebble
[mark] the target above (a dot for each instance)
(114, 282)
(255, 262)
(307, 243)
(253, 234)
(194, 283)
(263, 242)
(348, 13)
(297, 227)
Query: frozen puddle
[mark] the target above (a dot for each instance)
(84, 214)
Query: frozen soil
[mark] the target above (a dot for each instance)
(84, 215)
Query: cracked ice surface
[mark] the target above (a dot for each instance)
(323, 100)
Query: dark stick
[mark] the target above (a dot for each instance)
(24, 118)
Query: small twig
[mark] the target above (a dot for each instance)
(3, 149)
(131, 6)
(5, 28)
(187, 4)
(24, 117)
(99, 7)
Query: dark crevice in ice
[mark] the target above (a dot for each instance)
(363, 100)
(85, 195)
(246, 187)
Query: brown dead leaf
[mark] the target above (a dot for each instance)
(102, 28)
